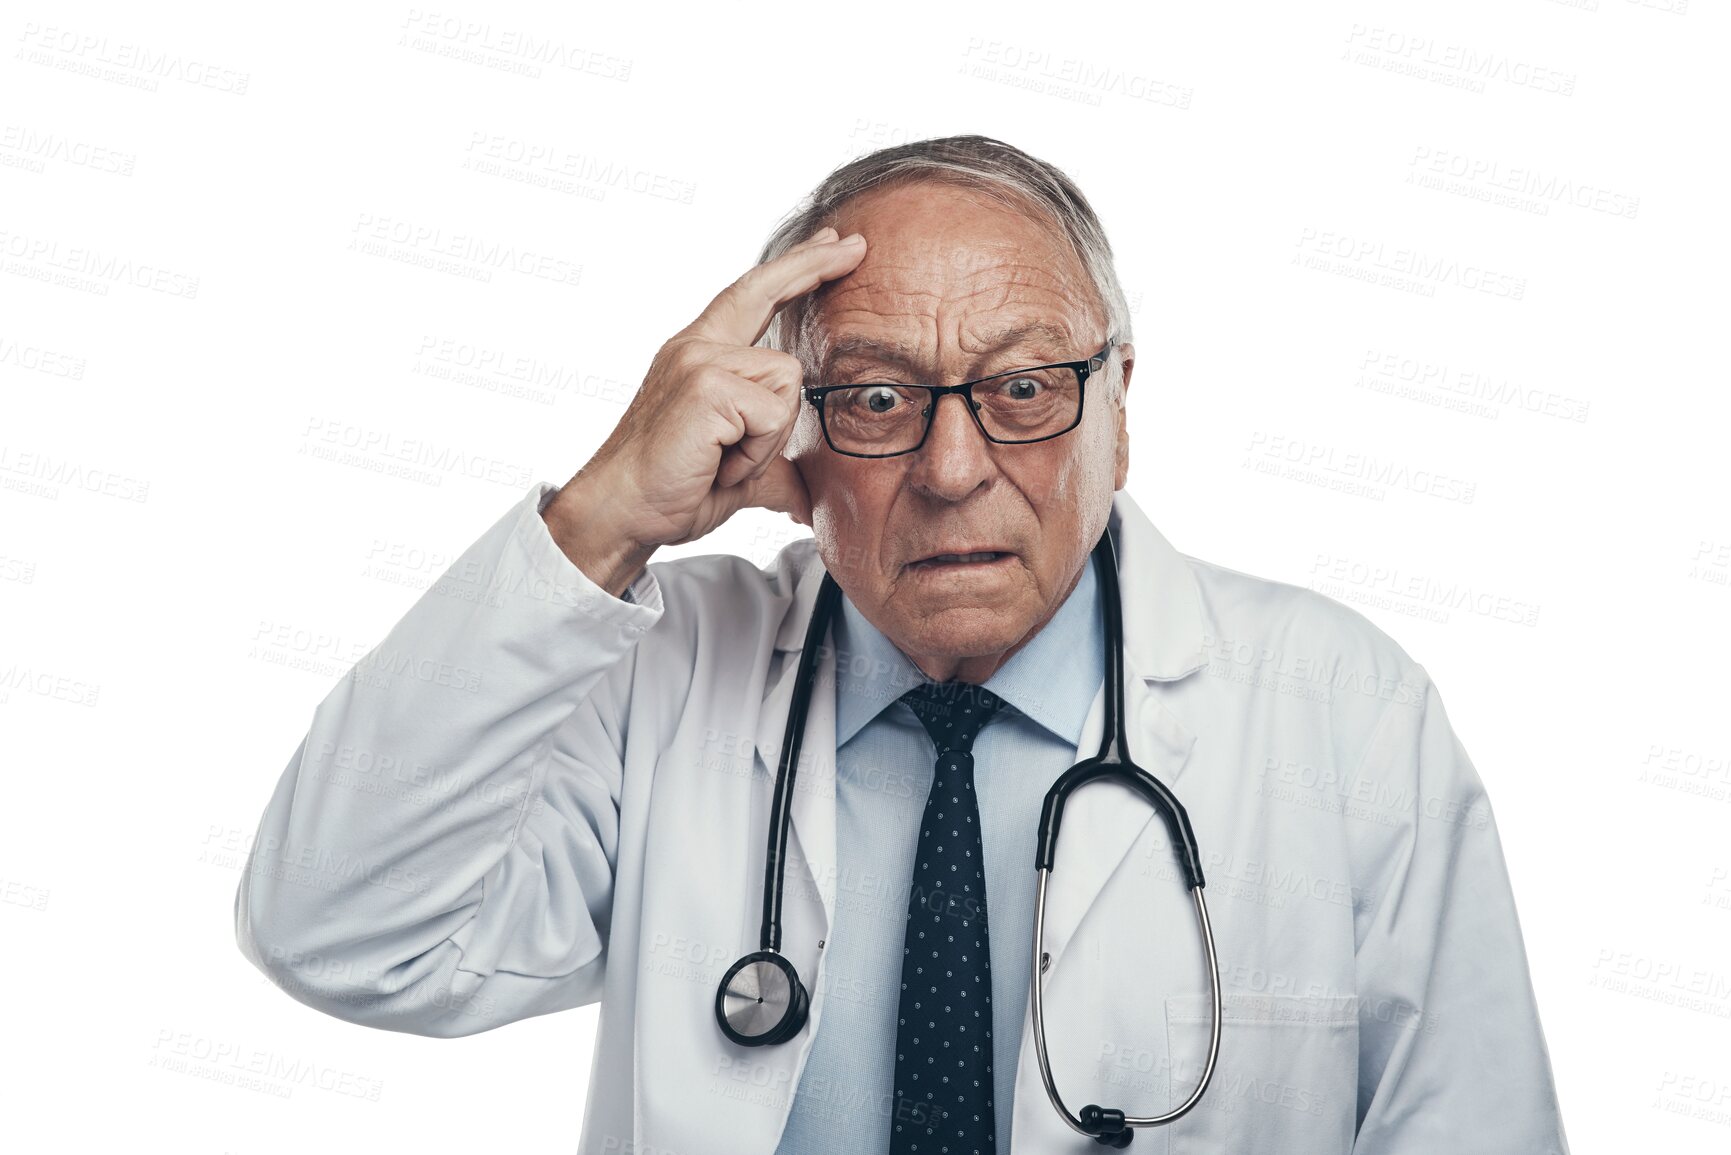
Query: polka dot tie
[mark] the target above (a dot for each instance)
(943, 1086)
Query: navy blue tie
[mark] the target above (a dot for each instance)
(943, 1085)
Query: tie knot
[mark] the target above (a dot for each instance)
(953, 712)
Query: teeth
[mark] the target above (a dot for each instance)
(952, 557)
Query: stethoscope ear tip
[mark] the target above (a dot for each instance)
(1107, 1124)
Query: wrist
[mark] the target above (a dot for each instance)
(581, 527)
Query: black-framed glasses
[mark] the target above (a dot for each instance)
(1016, 407)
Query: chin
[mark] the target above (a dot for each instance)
(967, 632)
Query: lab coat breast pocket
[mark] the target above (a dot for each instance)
(1286, 1080)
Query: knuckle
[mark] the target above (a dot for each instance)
(686, 355)
(710, 378)
(745, 285)
(671, 353)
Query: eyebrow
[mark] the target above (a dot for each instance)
(861, 348)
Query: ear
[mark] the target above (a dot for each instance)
(1123, 457)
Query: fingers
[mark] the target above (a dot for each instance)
(780, 372)
(760, 420)
(827, 233)
(782, 488)
(741, 313)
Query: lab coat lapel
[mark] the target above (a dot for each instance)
(1162, 643)
(696, 1091)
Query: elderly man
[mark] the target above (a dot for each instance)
(591, 814)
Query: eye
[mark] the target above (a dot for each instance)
(878, 398)
(1021, 388)
(872, 400)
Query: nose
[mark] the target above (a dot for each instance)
(956, 458)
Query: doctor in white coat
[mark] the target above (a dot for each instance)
(550, 784)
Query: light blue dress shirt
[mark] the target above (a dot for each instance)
(884, 765)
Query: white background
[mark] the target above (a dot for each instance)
(239, 434)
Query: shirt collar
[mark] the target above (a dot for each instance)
(1052, 679)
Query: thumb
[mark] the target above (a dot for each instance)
(781, 487)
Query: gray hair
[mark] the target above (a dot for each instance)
(990, 167)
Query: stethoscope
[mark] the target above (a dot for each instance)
(761, 1000)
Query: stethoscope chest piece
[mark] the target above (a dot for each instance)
(761, 1001)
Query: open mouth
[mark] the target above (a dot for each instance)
(983, 559)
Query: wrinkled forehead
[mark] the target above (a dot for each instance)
(950, 278)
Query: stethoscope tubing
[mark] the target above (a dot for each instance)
(1113, 762)
(1039, 1018)
(828, 594)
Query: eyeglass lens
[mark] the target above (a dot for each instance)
(1024, 405)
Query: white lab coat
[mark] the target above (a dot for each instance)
(533, 796)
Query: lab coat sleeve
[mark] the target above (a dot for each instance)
(438, 855)
(1451, 1053)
